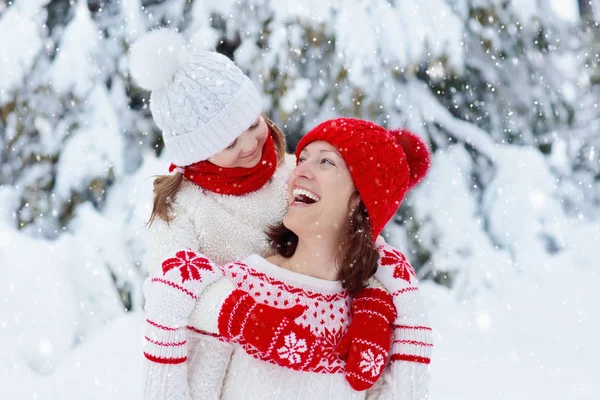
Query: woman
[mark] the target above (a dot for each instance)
(289, 312)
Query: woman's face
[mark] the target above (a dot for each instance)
(246, 150)
(319, 190)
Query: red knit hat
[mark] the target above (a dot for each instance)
(383, 164)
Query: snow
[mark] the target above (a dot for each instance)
(21, 24)
(505, 229)
(521, 332)
(74, 67)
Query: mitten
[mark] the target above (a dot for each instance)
(366, 344)
(271, 330)
(170, 298)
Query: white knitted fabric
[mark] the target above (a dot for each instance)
(250, 377)
(412, 334)
(227, 228)
(201, 100)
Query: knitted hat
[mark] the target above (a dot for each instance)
(200, 99)
(383, 164)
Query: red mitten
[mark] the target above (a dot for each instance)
(367, 342)
(270, 330)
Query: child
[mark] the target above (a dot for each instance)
(228, 184)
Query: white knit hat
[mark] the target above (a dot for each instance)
(200, 99)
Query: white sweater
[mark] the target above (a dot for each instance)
(327, 315)
(225, 228)
(228, 228)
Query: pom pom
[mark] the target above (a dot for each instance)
(155, 57)
(417, 155)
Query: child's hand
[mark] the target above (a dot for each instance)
(366, 344)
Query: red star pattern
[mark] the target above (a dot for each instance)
(189, 265)
(402, 269)
(331, 338)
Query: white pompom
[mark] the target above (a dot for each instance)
(155, 57)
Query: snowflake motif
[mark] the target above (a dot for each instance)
(370, 363)
(292, 348)
(402, 269)
(189, 265)
(331, 339)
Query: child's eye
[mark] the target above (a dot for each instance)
(232, 145)
(255, 125)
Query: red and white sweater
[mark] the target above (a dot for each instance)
(249, 376)
(225, 228)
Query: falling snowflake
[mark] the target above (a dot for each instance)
(292, 349)
(189, 265)
(370, 363)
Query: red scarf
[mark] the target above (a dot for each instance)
(233, 181)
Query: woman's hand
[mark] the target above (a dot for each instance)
(271, 330)
(366, 344)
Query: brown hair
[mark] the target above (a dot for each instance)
(357, 256)
(167, 186)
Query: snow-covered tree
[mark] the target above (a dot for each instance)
(495, 86)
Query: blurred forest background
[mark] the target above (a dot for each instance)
(504, 91)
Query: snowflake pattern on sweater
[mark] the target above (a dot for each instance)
(327, 314)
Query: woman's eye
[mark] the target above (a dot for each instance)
(300, 160)
(327, 161)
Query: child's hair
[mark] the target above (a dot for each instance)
(357, 255)
(167, 186)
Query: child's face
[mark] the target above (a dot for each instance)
(246, 150)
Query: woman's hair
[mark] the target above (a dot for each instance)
(357, 256)
(167, 186)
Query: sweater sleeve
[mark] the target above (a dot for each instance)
(402, 380)
(407, 375)
(163, 380)
(209, 357)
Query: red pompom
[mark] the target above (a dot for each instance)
(417, 154)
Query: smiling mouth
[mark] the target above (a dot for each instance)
(303, 196)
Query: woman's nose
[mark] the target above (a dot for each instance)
(305, 170)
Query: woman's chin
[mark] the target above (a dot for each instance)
(291, 222)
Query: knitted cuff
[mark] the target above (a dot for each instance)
(374, 301)
(412, 343)
(234, 313)
(163, 344)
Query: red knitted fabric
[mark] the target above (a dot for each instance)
(383, 165)
(367, 342)
(271, 330)
(233, 181)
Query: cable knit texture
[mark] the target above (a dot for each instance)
(228, 228)
(200, 99)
